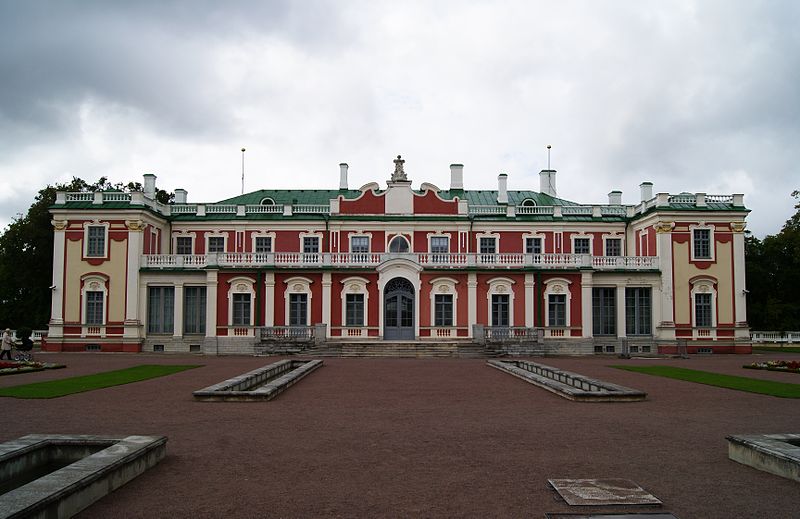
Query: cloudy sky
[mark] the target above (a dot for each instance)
(700, 96)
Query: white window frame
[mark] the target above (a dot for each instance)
(210, 235)
(354, 285)
(182, 234)
(529, 235)
(444, 286)
(240, 285)
(590, 237)
(359, 234)
(557, 286)
(297, 285)
(493, 235)
(86, 226)
(500, 286)
(404, 236)
(261, 234)
(614, 236)
(702, 226)
(704, 285)
(312, 234)
(94, 283)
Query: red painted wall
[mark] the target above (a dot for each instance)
(367, 203)
(430, 203)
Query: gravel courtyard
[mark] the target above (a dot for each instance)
(419, 438)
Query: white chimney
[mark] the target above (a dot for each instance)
(456, 176)
(180, 196)
(615, 198)
(647, 191)
(343, 175)
(547, 182)
(149, 185)
(502, 188)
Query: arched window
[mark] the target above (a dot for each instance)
(398, 244)
(267, 201)
(528, 203)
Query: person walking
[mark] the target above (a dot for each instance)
(8, 342)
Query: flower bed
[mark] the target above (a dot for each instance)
(12, 368)
(792, 366)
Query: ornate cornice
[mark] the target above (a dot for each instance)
(59, 225)
(664, 227)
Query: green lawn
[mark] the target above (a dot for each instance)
(68, 386)
(778, 349)
(751, 385)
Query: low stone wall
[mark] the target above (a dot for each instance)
(572, 386)
(777, 454)
(264, 383)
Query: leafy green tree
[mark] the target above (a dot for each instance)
(26, 255)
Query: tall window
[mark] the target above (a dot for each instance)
(311, 244)
(183, 245)
(359, 247)
(263, 244)
(96, 241)
(216, 244)
(701, 241)
(533, 245)
(354, 309)
(160, 309)
(94, 308)
(604, 311)
(443, 310)
(638, 311)
(298, 310)
(557, 310)
(440, 247)
(194, 310)
(500, 310)
(702, 311)
(488, 245)
(613, 247)
(241, 310)
(582, 246)
(398, 245)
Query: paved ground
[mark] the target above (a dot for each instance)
(418, 438)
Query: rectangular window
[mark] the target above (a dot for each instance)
(440, 248)
(94, 308)
(604, 311)
(216, 244)
(298, 310)
(614, 247)
(194, 310)
(160, 309)
(359, 244)
(702, 310)
(96, 241)
(183, 245)
(443, 310)
(263, 243)
(638, 311)
(311, 244)
(500, 310)
(582, 246)
(557, 310)
(241, 310)
(533, 245)
(488, 245)
(701, 239)
(354, 310)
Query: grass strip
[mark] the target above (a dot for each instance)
(751, 385)
(68, 386)
(778, 349)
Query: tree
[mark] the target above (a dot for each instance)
(773, 277)
(26, 255)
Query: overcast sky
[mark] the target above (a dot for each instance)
(699, 96)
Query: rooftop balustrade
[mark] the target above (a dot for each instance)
(373, 259)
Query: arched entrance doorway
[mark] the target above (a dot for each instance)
(398, 310)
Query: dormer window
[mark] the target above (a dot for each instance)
(267, 201)
(528, 203)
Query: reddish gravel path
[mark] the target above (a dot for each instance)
(418, 438)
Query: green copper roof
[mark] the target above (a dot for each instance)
(514, 197)
(291, 196)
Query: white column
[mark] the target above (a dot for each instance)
(177, 329)
(586, 304)
(57, 302)
(269, 299)
(529, 298)
(211, 302)
(739, 286)
(472, 300)
(326, 302)
(132, 321)
(664, 251)
(621, 331)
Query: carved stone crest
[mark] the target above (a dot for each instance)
(241, 287)
(558, 289)
(444, 289)
(398, 174)
(94, 285)
(298, 287)
(353, 288)
(502, 289)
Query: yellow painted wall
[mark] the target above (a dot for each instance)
(721, 270)
(114, 269)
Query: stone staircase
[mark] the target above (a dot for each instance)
(399, 349)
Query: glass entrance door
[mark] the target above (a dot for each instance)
(398, 310)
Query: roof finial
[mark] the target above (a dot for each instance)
(398, 174)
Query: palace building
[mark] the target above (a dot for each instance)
(516, 270)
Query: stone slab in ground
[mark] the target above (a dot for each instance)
(646, 515)
(602, 492)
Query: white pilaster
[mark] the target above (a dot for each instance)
(529, 298)
(586, 304)
(472, 300)
(177, 329)
(739, 286)
(664, 251)
(326, 302)
(269, 299)
(621, 331)
(211, 302)
(57, 302)
(132, 321)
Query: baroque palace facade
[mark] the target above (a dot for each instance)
(458, 266)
